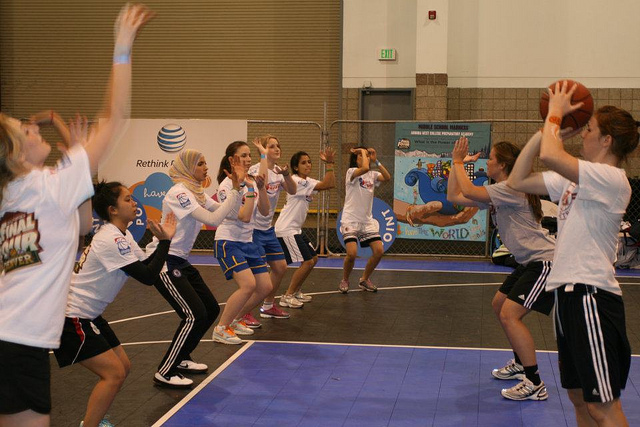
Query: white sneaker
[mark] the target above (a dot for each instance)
(302, 297)
(192, 367)
(525, 390)
(175, 381)
(510, 371)
(290, 301)
(240, 328)
(225, 335)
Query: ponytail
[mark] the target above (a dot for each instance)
(536, 206)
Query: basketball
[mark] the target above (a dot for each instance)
(578, 118)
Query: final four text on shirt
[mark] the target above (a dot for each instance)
(19, 235)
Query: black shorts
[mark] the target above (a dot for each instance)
(297, 248)
(83, 339)
(26, 379)
(593, 350)
(525, 286)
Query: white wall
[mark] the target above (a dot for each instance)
(369, 25)
(431, 36)
(493, 43)
(517, 43)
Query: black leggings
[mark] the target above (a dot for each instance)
(183, 288)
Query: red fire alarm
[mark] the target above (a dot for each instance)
(432, 15)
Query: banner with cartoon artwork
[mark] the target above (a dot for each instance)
(422, 167)
(143, 155)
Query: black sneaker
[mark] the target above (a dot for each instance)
(173, 381)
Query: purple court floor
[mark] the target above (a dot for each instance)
(313, 384)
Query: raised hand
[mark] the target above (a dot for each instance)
(373, 156)
(328, 155)
(166, 230)
(130, 21)
(362, 150)
(560, 99)
(258, 144)
(284, 170)
(460, 149)
(238, 174)
(44, 118)
(78, 130)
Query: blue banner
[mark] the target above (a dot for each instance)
(422, 167)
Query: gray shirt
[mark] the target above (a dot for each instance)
(519, 231)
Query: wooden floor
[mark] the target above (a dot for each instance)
(415, 306)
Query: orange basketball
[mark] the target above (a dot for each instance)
(578, 118)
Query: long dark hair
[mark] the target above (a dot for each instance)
(353, 158)
(621, 126)
(106, 195)
(231, 150)
(506, 153)
(295, 160)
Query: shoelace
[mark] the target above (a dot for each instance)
(524, 388)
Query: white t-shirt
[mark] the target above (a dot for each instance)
(295, 210)
(358, 200)
(97, 278)
(182, 203)
(589, 218)
(39, 229)
(231, 227)
(273, 187)
(519, 231)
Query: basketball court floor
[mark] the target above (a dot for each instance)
(419, 352)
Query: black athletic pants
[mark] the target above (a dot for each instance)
(183, 288)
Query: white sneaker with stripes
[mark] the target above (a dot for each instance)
(525, 390)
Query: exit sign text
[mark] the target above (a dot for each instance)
(387, 55)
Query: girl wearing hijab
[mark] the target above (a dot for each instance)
(181, 284)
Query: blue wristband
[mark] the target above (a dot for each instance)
(122, 59)
(263, 156)
(251, 189)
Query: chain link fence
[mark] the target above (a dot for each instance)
(293, 136)
(342, 135)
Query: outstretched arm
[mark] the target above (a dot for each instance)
(218, 213)
(522, 177)
(460, 189)
(329, 180)
(51, 118)
(386, 176)
(552, 152)
(131, 19)
(147, 272)
(289, 184)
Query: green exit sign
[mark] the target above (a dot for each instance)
(387, 54)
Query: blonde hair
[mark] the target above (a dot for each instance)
(264, 139)
(11, 153)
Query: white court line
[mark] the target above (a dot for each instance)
(403, 346)
(202, 385)
(445, 285)
(413, 270)
(325, 293)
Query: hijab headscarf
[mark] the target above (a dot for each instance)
(182, 170)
